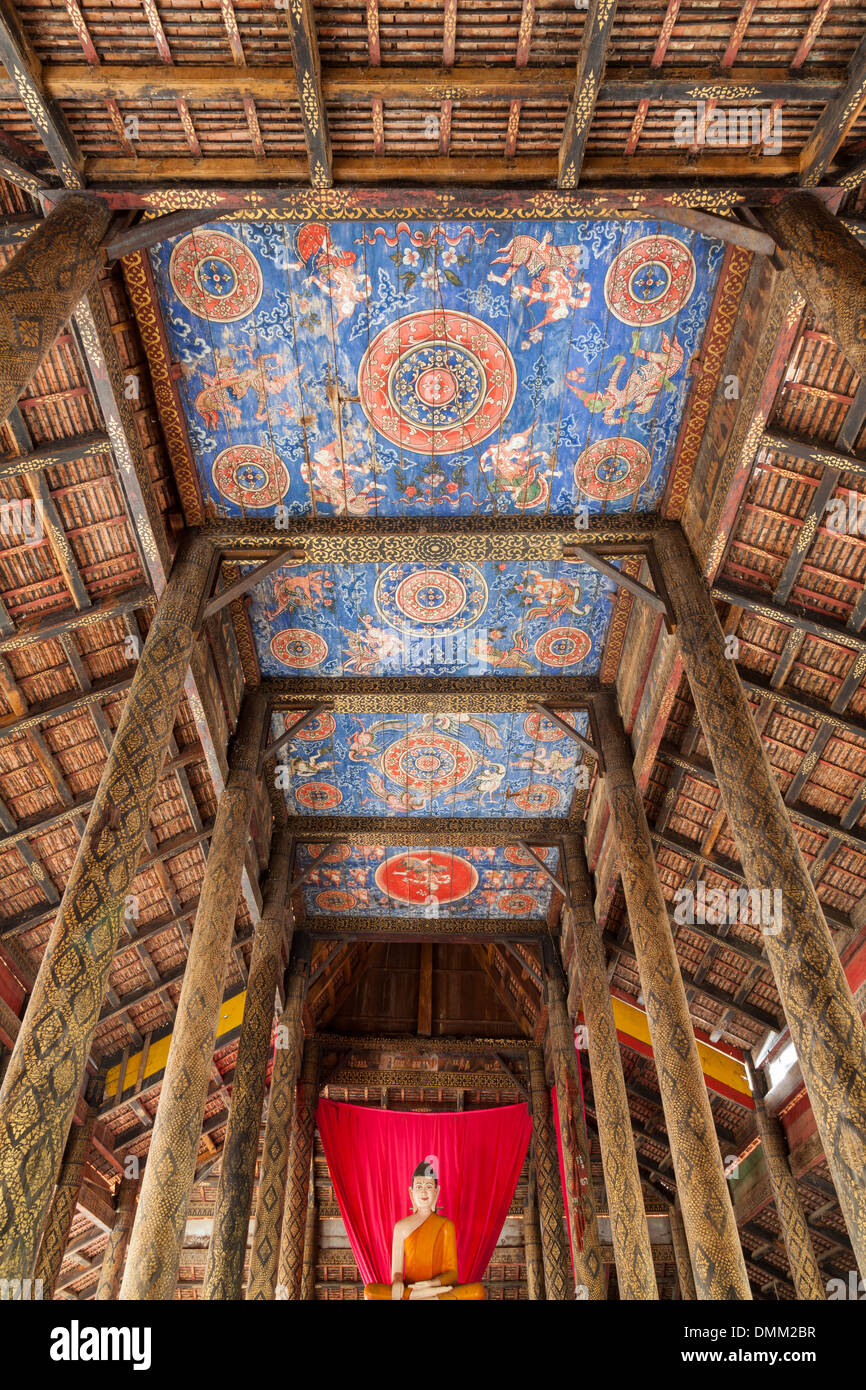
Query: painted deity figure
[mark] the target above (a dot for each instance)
(424, 1249)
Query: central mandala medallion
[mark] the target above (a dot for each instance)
(449, 597)
(428, 762)
(437, 382)
(426, 876)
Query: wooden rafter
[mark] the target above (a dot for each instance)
(308, 78)
(834, 122)
(25, 72)
(590, 73)
(521, 60)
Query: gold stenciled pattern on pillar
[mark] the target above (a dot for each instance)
(157, 1236)
(625, 1203)
(271, 1195)
(826, 1028)
(111, 1272)
(291, 1265)
(57, 1229)
(720, 1271)
(225, 1263)
(829, 266)
(44, 1074)
(583, 1223)
(685, 1277)
(805, 1273)
(554, 1253)
(41, 285)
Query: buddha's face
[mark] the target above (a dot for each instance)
(424, 1193)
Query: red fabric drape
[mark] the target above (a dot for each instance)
(372, 1155)
(554, 1109)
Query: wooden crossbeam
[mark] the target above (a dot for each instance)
(418, 694)
(542, 867)
(52, 455)
(156, 229)
(597, 27)
(16, 227)
(455, 929)
(403, 831)
(292, 731)
(835, 121)
(573, 734)
(250, 581)
(110, 688)
(827, 631)
(617, 577)
(25, 71)
(814, 819)
(819, 455)
(308, 77)
(350, 84)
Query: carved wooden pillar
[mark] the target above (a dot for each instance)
(44, 1075)
(41, 285)
(825, 1025)
(808, 1283)
(829, 267)
(685, 1277)
(717, 1258)
(62, 1211)
(554, 1249)
(224, 1272)
(583, 1222)
(308, 1270)
(629, 1231)
(157, 1236)
(298, 1182)
(111, 1272)
(532, 1244)
(271, 1195)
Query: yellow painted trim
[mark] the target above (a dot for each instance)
(230, 1016)
(716, 1065)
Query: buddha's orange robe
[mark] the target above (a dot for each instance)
(430, 1252)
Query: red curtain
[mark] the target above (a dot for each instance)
(372, 1155)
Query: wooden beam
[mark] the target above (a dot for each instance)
(410, 929)
(53, 455)
(827, 631)
(350, 84)
(156, 229)
(361, 540)
(109, 688)
(473, 171)
(617, 577)
(425, 991)
(291, 732)
(64, 620)
(25, 71)
(403, 831)
(16, 227)
(811, 817)
(308, 78)
(542, 867)
(819, 455)
(577, 738)
(835, 121)
(416, 694)
(597, 27)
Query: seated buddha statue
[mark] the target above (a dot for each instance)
(424, 1250)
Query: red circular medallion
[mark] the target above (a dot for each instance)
(298, 647)
(215, 275)
(521, 859)
(428, 762)
(321, 727)
(426, 876)
(437, 382)
(517, 904)
(542, 730)
(250, 476)
(612, 468)
(562, 646)
(318, 796)
(335, 900)
(649, 281)
(536, 799)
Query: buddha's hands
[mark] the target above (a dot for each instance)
(397, 1290)
(428, 1290)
